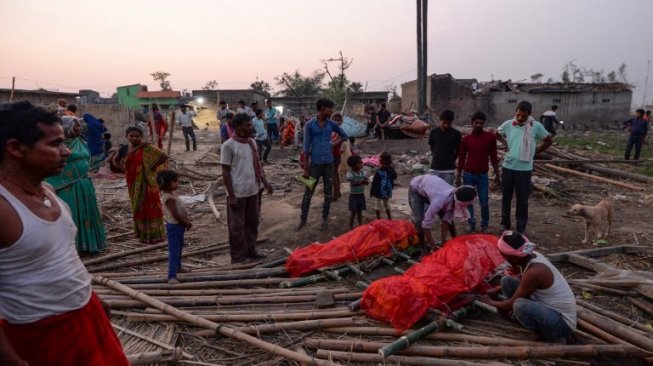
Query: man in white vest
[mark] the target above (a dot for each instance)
(541, 300)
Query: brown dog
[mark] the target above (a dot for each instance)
(597, 216)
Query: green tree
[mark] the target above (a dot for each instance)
(356, 86)
(261, 87)
(536, 78)
(162, 78)
(300, 84)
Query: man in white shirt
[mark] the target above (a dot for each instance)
(242, 108)
(185, 119)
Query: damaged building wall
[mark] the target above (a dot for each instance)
(581, 106)
(116, 119)
(579, 110)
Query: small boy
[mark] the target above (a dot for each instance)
(106, 137)
(382, 185)
(358, 181)
(176, 221)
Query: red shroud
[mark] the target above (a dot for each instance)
(458, 267)
(375, 238)
(79, 337)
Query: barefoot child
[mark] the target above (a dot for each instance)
(176, 221)
(358, 181)
(382, 185)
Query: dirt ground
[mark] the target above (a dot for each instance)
(549, 225)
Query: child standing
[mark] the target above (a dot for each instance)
(176, 221)
(358, 181)
(382, 185)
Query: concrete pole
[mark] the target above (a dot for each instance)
(424, 55)
(420, 59)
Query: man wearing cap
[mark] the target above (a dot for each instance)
(541, 300)
(431, 197)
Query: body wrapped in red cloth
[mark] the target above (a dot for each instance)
(458, 267)
(375, 238)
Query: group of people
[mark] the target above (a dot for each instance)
(464, 162)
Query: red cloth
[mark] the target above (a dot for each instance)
(476, 151)
(336, 148)
(79, 337)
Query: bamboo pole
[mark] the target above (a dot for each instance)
(407, 340)
(225, 292)
(252, 317)
(595, 178)
(304, 325)
(622, 319)
(192, 277)
(151, 340)
(146, 358)
(642, 304)
(201, 322)
(441, 336)
(608, 290)
(124, 254)
(157, 258)
(598, 332)
(401, 360)
(120, 303)
(617, 329)
(212, 284)
(511, 352)
(172, 130)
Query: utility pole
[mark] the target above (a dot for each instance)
(13, 84)
(648, 71)
(422, 15)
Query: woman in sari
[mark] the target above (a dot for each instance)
(75, 188)
(141, 165)
(94, 130)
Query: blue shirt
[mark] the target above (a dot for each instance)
(272, 116)
(261, 133)
(317, 140)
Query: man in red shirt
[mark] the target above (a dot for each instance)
(475, 150)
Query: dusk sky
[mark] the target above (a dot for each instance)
(68, 45)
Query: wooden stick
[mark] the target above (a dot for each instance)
(642, 304)
(441, 336)
(157, 258)
(147, 358)
(201, 322)
(172, 130)
(252, 317)
(598, 332)
(297, 325)
(213, 284)
(401, 360)
(209, 197)
(595, 178)
(151, 340)
(191, 277)
(585, 161)
(225, 292)
(622, 319)
(125, 253)
(617, 329)
(512, 352)
(608, 290)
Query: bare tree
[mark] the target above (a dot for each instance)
(537, 78)
(261, 86)
(162, 78)
(210, 85)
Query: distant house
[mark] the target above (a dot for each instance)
(231, 96)
(580, 105)
(137, 96)
(38, 96)
(88, 96)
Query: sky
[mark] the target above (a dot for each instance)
(68, 45)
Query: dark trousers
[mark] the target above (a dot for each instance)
(324, 171)
(637, 141)
(188, 131)
(273, 132)
(242, 221)
(260, 144)
(175, 233)
(519, 182)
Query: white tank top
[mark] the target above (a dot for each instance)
(559, 296)
(41, 274)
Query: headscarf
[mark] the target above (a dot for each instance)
(527, 248)
(68, 122)
(463, 197)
